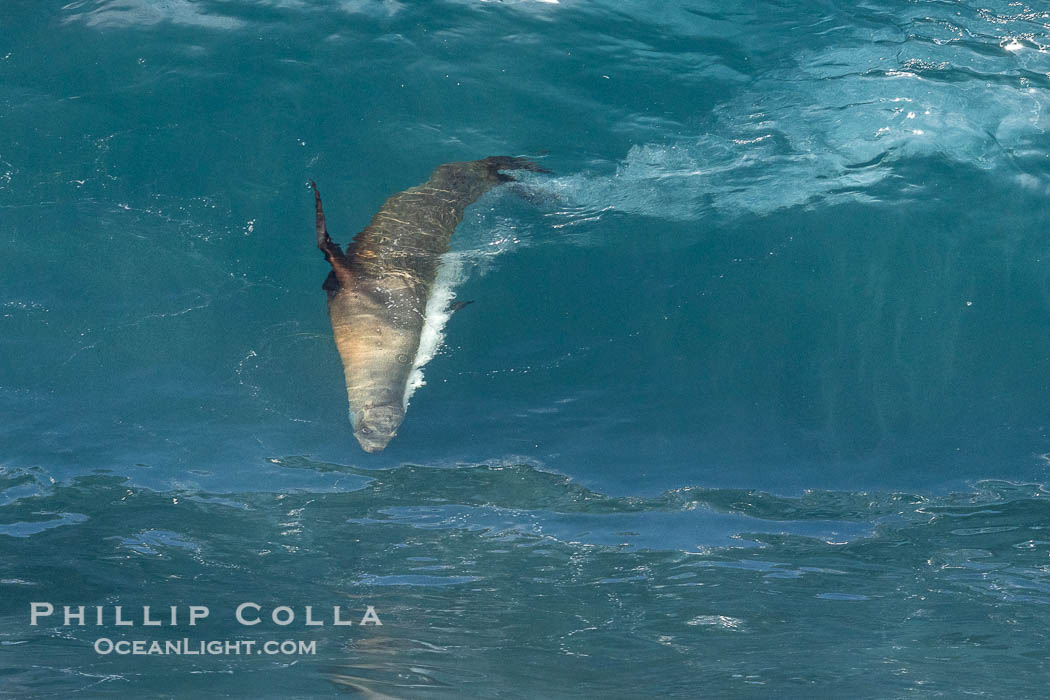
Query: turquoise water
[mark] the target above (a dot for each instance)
(751, 401)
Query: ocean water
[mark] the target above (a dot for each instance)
(752, 400)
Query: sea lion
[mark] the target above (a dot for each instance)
(379, 288)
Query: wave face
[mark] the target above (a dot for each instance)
(751, 400)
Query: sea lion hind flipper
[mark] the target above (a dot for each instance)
(513, 163)
(332, 252)
(532, 195)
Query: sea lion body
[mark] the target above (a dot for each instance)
(379, 288)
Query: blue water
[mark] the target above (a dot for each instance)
(751, 401)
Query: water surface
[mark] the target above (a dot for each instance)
(750, 402)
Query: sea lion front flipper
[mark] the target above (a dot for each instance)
(332, 252)
(331, 283)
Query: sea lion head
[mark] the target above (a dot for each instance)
(376, 426)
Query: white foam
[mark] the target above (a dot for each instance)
(478, 241)
(837, 122)
(451, 271)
